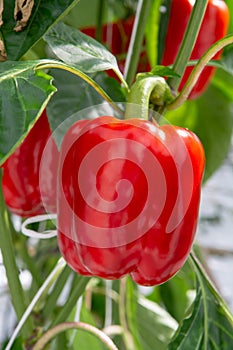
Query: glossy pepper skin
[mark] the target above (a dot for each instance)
(213, 28)
(23, 182)
(128, 198)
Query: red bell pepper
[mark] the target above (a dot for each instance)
(213, 28)
(128, 198)
(23, 182)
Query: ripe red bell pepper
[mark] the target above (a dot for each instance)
(128, 198)
(213, 28)
(23, 182)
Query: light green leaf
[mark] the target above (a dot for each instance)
(24, 93)
(151, 326)
(79, 50)
(84, 340)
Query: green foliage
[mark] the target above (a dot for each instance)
(208, 323)
(79, 50)
(151, 326)
(44, 14)
(28, 92)
(75, 95)
(26, 88)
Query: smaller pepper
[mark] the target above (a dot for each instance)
(23, 183)
(213, 28)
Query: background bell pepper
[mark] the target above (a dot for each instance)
(116, 36)
(23, 181)
(213, 28)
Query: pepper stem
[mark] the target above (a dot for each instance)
(197, 70)
(147, 91)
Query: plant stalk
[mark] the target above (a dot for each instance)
(136, 41)
(9, 261)
(41, 343)
(188, 42)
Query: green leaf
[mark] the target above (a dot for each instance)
(84, 340)
(209, 324)
(79, 50)
(74, 95)
(159, 71)
(177, 293)
(44, 14)
(24, 93)
(151, 326)
(211, 118)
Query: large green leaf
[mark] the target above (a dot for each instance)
(24, 93)
(79, 50)
(151, 326)
(75, 95)
(84, 340)
(209, 324)
(211, 118)
(44, 14)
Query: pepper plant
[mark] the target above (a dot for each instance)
(106, 138)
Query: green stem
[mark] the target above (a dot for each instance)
(136, 40)
(188, 42)
(145, 90)
(197, 70)
(40, 345)
(99, 20)
(51, 300)
(77, 289)
(22, 248)
(9, 260)
(41, 293)
(49, 64)
(128, 339)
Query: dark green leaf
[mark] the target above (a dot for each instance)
(24, 93)
(75, 95)
(44, 14)
(151, 326)
(209, 324)
(79, 50)
(211, 118)
(159, 71)
(176, 293)
(84, 340)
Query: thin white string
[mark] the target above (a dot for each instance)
(36, 219)
(60, 265)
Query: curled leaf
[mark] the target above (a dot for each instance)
(22, 13)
